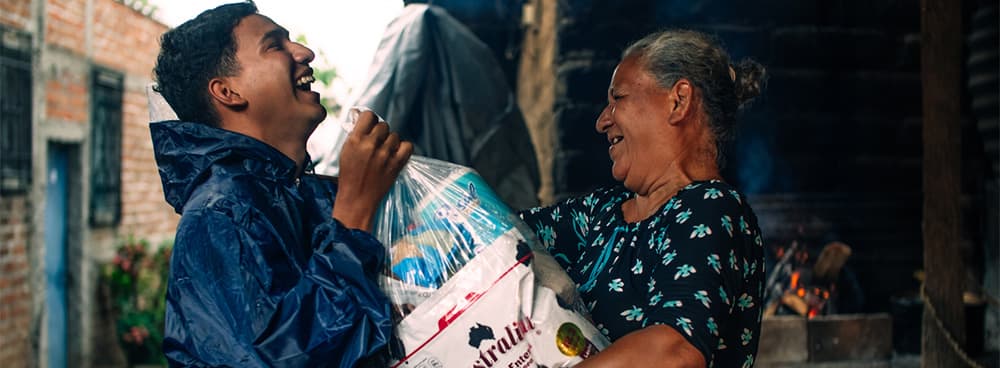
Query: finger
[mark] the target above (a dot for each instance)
(402, 155)
(366, 121)
(392, 142)
(380, 132)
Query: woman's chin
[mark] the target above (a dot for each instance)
(619, 176)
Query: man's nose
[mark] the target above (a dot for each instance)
(302, 54)
(604, 120)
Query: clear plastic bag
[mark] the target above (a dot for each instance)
(468, 283)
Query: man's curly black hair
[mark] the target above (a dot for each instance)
(195, 52)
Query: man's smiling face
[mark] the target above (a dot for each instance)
(274, 77)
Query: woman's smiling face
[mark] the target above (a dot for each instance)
(635, 123)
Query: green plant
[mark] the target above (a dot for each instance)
(136, 284)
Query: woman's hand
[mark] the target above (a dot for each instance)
(370, 160)
(653, 346)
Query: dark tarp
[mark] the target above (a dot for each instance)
(440, 87)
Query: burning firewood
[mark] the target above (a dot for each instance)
(829, 263)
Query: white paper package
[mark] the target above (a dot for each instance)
(468, 283)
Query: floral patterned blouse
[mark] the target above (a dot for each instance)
(697, 265)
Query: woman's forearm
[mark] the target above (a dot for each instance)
(653, 346)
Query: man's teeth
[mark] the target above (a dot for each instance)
(305, 80)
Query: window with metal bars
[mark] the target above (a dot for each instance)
(15, 111)
(106, 147)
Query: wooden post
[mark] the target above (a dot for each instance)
(940, 60)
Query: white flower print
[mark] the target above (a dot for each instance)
(727, 223)
(655, 299)
(736, 195)
(702, 297)
(701, 231)
(745, 302)
(616, 285)
(684, 271)
(712, 193)
(683, 216)
(712, 327)
(669, 257)
(634, 314)
(637, 269)
(685, 324)
(713, 261)
(746, 337)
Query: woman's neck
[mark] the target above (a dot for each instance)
(647, 202)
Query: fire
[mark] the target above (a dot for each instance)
(795, 280)
(801, 293)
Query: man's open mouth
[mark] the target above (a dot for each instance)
(304, 82)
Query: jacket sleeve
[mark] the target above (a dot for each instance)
(227, 305)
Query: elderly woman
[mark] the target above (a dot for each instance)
(671, 262)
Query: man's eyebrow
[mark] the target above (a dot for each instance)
(278, 34)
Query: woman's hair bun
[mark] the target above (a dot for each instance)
(750, 80)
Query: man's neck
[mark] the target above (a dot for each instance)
(292, 147)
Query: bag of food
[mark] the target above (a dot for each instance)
(469, 284)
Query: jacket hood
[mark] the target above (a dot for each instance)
(185, 153)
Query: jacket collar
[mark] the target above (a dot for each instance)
(185, 153)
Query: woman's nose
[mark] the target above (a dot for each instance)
(604, 120)
(302, 54)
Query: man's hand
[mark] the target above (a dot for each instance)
(369, 163)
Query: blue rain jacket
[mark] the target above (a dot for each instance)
(261, 274)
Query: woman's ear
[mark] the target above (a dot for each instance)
(222, 92)
(681, 101)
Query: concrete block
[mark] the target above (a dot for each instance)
(861, 337)
(783, 339)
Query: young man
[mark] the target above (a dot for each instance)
(272, 266)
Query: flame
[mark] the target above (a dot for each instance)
(826, 294)
(812, 313)
(795, 280)
(801, 293)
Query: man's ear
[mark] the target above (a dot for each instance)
(223, 93)
(681, 101)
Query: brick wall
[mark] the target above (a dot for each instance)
(126, 41)
(15, 295)
(15, 13)
(15, 230)
(77, 37)
(67, 94)
(65, 24)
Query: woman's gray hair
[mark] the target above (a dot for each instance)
(725, 87)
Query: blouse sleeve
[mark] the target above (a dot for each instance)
(562, 228)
